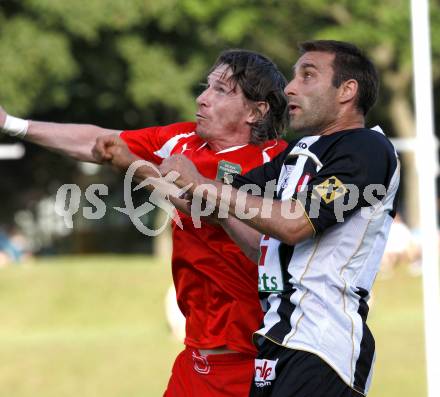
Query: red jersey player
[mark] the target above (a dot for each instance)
(240, 115)
(215, 282)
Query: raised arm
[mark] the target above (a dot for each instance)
(73, 140)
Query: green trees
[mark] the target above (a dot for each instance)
(127, 64)
(138, 55)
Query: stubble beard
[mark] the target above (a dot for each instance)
(312, 122)
(310, 125)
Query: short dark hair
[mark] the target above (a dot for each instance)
(260, 80)
(349, 63)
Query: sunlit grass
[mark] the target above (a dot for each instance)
(95, 326)
(85, 327)
(396, 319)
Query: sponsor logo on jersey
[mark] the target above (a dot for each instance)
(268, 283)
(201, 364)
(265, 372)
(301, 145)
(285, 181)
(226, 171)
(184, 148)
(330, 189)
(270, 277)
(263, 250)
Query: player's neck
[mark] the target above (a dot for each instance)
(347, 122)
(228, 142)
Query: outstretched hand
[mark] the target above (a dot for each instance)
(112, 149)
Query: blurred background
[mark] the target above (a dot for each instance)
(82, 313)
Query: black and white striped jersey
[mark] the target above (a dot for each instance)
(315, 293)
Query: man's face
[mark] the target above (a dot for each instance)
(313, 103)
(223, 111)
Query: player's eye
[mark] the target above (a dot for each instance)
(220, 89)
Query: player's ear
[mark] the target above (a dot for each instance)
(348, 91)
(258, 111)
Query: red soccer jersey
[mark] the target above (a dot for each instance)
(216, 285)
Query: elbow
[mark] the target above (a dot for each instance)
(294, 234)
(289, 239)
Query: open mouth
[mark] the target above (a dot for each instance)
(293, 107)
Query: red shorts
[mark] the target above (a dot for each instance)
(215, 375)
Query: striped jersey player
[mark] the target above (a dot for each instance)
(315, 293)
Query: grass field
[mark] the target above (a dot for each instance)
(94, 326)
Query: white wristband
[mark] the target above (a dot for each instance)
(15, 126)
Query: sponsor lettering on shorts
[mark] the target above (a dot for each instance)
(265, 372)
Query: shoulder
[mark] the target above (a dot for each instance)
(179, 128)
(362, 144)
(158, 142)
(364, 139)
(175, 130)
(366, 153)
(169, 130)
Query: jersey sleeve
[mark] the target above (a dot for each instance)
(155, 143)
(356, 174)
(267, 172)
